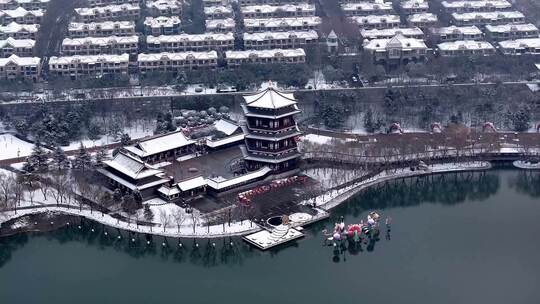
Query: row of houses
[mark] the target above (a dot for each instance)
(19, 31)
(422, 20)
(26, 4)
(81, 65)
(21, 15)
(278, 11)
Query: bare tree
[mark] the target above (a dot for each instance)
(195, 219)
(179, 218)
(18, 191)
(60, 184)
(164, 218)
(6, 184)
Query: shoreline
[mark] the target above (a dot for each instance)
(326, 202)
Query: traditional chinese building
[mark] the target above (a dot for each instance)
(270, 130)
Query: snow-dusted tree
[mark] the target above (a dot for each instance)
(37, 161)
(117, 196)
(125, 139)
(6, 186)
(83, 159)
(101, 155)
(60, 184)
(129, 204)
(60, 159)
(148, 215)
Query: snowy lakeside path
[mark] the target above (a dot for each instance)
(325, 201)
(336, 197)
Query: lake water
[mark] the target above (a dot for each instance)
(456, 238)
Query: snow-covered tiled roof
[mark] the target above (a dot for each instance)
(190, 37)
(391, 32)
(124, 58)
(115, 8)
(17, 43)
(106, 25)
(164, 4)
(465, 45)
(521, 43)
(477, 4)
(376, 19)
(463, 30)
(262, 36)
(507, 28)
(227, 23)
(267, 9)
(226, 126)
(20, 61)
(160, 144)
(422, 17)
(218, 9)
(168, 191)
(131, 166)
(177, 56)
(398, 41)
(219, 184)
(264, 53)
(21, 12)
(410, 4)
(367, 6)
(14, 27)
(192, 183)
(282, 22)
(162, 21)
(270, 98)
(487, 15)
(100, 40)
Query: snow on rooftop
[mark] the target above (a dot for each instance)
(521, 43)
(190, 37)
(162, 21)
(265, 8)
(265, 53)
(17, 43)
(160, 144)
(226, 126)
(270, 98)
(193, 183)
(422, 17)
(376, 19)
(21, 12)
(465, 45)
(398, 41)
(124, 58)
(177, 56)
(464, 30)
(131, 166)
(391, 32)
(409, 4)
(282, 22)
(100, 40)
(506, 28)
(20, 61)
(219, 183)
(367, 6)
(262, 36)
(220, 23)
(109, 9)
(488, 15)
(496, 4)
(218, 9)
(15, 27)
(106, 25)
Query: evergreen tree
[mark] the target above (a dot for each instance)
(117, 195)
(129, 204)
(60, 159)
(82, 160)
(37, 161)
(94, 131)
(521, 120)
(148, 214)
(125, 139)
(101, 155)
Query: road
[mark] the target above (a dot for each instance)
(106, 94)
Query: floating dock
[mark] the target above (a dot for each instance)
(266, 239)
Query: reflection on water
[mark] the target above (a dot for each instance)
(448, 189)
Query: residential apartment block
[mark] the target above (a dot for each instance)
(367, 8)
(88, 65)
(108, 13)
(101, 45)
(172, 62)
(26, 4)
(162, 25)
(220, 25)
(21, 16)
(218, 12)
(411, 32)
(15, 67)
(422, 20)
(414, 6)
(94, 3)
(236, 58)
(475, 6)
(164, 7)
(279, 40)
(101, 29)
(377, 21)
(455, 33)
(19, 47)
(278, 11)
(486, 18)
(398, 49)
(512, 31)
(190, 42)
(465, 47)
(520, 46)
(282, 24)
(19, 31)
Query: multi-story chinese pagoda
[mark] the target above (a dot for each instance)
(270, 130)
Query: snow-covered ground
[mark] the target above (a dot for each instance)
(134, 132)
(11, 147)
(332, 177)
